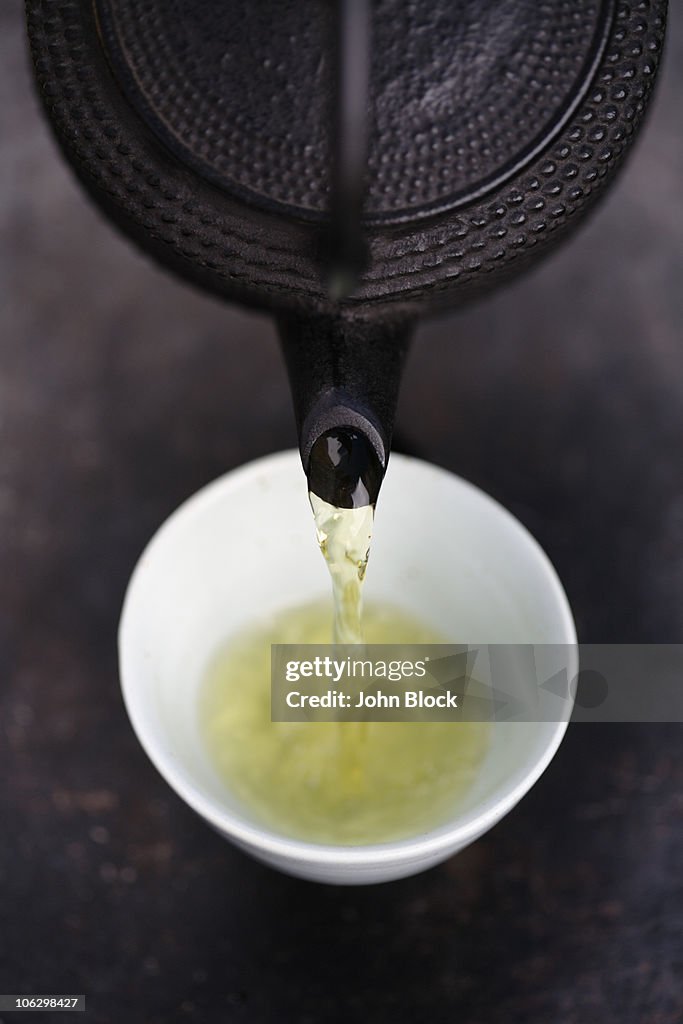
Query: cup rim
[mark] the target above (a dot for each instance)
(260, 838)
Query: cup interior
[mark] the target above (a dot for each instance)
(244, 548)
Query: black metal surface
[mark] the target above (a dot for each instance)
(344, 469)
(255, 251)
(350, 48)
(344, 373)
(461, 94)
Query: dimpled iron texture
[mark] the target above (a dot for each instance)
(203, 129)
(460, 92)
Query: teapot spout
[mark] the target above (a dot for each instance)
(345, 376)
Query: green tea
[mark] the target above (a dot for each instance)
(344, 536)
(350, 783)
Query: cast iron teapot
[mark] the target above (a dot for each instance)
(347, 164)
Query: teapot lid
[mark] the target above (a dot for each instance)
(462, 95)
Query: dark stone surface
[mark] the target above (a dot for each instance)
(121, 392)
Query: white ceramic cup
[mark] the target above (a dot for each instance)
(244, 546)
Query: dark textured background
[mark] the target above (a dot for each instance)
(121, 392)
